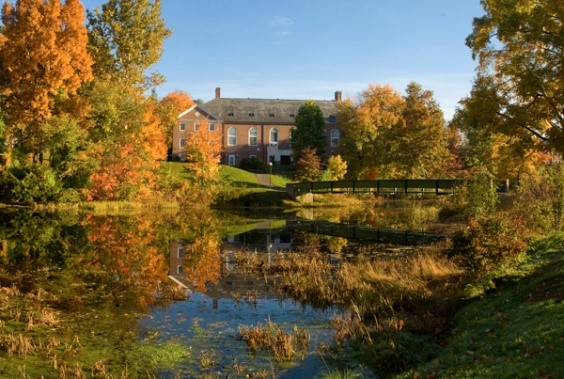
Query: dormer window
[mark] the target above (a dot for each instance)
(271, 114)
(292, 115)
(230, 114)
(251, 114)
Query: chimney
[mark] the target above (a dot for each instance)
(338, 95)
(217, 92)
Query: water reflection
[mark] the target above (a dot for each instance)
(119, 288)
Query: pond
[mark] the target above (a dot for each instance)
(196, 294)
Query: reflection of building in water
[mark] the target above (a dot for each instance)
(233, 284)
(260, 240)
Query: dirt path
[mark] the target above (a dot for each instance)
(263, 179)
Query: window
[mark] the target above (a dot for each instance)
(230, 114)
(179, 270)
(252, 156)
(335, 137)
(253, 137)
(271, 114)
(182, 142)
(182, 126)
(196, 127)
(273, 136)
(232, 137)
(211, 127)
(292, 115)
(180, 252)
(251, 114)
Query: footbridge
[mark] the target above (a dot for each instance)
(379, 187)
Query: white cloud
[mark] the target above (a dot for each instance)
(282, 21)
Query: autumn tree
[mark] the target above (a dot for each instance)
(203, 153)
(387, 135)
(309, 131)
(367, 127)
(128, 142)
(169, 108)
(44, 61)
(422, 144)
(126, 39)
(308, 167)
(486, 144)
(520, 83)
(336, 168)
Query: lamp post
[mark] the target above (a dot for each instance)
(270, 176)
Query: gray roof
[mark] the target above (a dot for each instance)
(264, 111)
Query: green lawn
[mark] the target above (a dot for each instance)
(516, 331)
(238, 177)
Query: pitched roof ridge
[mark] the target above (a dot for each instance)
(266, 99)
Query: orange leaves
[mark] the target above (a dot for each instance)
(177, 101)
(203, 151)
(43, 54)
(128, 165)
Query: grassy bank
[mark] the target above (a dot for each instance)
(515, 330)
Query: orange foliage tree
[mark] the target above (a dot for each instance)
(169, 108)
(203, 152)
(44, 60)
(129, 163)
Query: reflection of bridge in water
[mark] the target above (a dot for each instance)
(366, 233)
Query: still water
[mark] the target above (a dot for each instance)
(167, 295)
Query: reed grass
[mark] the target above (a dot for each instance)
(284, 346)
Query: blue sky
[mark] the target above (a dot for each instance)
(308, 49)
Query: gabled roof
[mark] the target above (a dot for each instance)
(200, 109)
(264, 111)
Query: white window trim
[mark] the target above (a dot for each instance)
(256, 137)
(229, 136)
(270, 136)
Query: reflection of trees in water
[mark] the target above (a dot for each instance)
(128, 255)
(388, 214)
(202, 259)
(92, 276)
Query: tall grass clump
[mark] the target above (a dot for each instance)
(284, 346)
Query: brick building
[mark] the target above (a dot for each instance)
(259, 128)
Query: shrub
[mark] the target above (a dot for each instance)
(539, 200)
(308, 167)
(476, 198)
(487, 245)
(253, 164)
(29, 184)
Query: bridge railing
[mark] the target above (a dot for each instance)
(384, 186)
